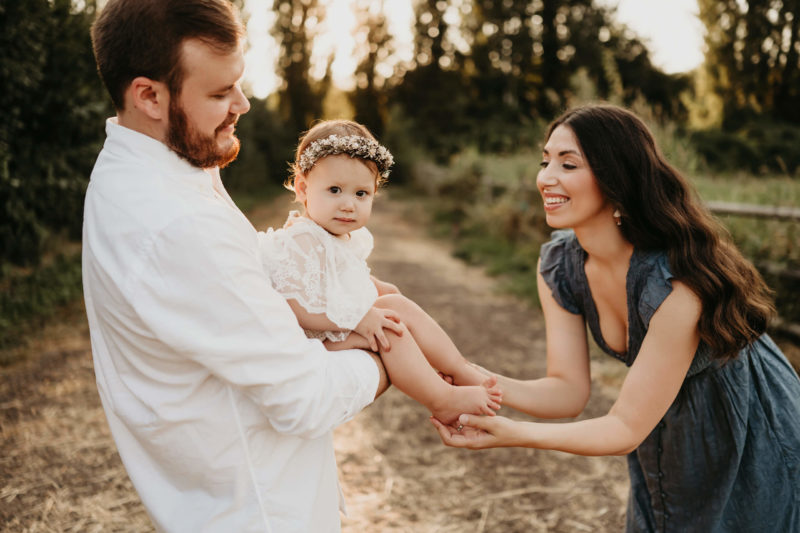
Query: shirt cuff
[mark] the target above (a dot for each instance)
(364, 373)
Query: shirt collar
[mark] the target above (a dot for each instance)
(132, 144)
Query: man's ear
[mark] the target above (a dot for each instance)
(150, 97)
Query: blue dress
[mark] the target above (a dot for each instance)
(726, 456)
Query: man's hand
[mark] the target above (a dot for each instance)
(372, 325)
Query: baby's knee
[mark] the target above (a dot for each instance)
(396, 302)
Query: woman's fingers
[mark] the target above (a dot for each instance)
(449, 379)
(446, 433)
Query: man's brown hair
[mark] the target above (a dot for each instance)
(134, 38)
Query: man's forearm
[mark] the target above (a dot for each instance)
(383, 380)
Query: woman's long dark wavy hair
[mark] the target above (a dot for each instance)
(661, 211)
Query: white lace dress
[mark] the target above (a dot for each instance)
(323, 273)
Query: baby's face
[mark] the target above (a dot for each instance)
(338, 193)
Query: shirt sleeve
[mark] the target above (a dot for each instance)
(202, 291)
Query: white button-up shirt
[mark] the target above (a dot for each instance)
(221, 408)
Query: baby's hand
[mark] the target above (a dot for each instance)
(372, 325)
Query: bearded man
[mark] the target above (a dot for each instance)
(221, 408)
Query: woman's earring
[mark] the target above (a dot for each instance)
(617, 217)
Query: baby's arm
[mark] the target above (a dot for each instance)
(313, 321)
(370, 327)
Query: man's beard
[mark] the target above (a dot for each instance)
(200, 150)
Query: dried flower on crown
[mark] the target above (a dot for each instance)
(352, 145)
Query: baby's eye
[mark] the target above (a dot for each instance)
(362, 194)
(334, 189)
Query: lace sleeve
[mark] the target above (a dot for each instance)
(308, 266)
(295, 267)
(362, 243)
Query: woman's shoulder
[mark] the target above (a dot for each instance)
(559, 260)
(651, 280)
(562, 247)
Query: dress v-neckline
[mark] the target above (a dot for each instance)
(594, 319)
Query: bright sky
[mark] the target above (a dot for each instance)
(671, 30)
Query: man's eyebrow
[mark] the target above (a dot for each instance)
(224, 89)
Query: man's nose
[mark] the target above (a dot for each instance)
(240, 104)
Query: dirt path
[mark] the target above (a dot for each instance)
(59, 470)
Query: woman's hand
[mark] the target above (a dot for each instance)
(373, 324)
(477, 432)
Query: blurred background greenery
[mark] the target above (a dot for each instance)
(464, 116)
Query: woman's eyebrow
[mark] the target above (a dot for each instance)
(562, 152)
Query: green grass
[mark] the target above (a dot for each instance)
(763, 240)
(489, 207)
(29, 298)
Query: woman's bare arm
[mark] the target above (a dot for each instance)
(649, 389)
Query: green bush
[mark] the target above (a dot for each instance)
(53, 105)
(760, 147)
(488, 205)
(27, 298)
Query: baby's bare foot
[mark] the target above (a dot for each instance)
(483, 399)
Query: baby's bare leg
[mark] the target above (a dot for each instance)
(436, 345)
(410, 372)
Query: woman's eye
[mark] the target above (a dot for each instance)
(544, 164)
(569, 166)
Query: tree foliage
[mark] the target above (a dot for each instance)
(52, 129)
(369, 98)
(752, 63)
(485, 70)
(295, 28)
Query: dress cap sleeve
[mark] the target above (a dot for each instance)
(657, 284)
(557, 264)
(361, 243)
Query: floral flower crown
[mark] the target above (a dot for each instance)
(352, 145)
